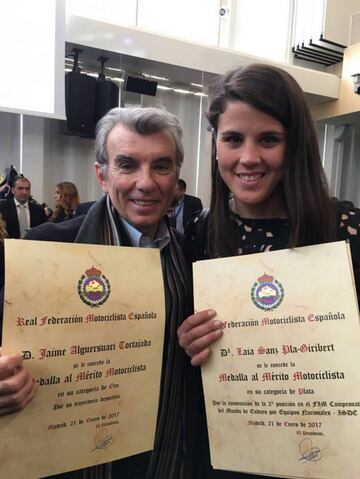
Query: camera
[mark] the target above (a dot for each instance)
(9, 176)
(223, 11)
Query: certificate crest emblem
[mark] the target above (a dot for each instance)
(267, 293)
(93, 288)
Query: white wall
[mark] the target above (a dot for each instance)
(9, 140)
(337, 20)
(68, 158)
(32, 39)
(349, 180)
(340, 150)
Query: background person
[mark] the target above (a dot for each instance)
(269, 189)
(83, 208)
(66, 199)
(185, 207)
(18, 212)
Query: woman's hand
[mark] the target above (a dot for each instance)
(197, 333)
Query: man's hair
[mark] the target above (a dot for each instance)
(21, 178)
(145, 121)
(182, 184)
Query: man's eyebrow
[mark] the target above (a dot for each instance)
(121, 157)
(124, 157)
(164, 158)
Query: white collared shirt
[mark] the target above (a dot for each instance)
(26, 205)
(162, 237)
(179, 215)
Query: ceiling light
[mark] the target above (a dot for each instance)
(155, 77)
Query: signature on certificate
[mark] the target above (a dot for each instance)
(308, 452)
(102, 440)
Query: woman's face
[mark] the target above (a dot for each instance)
(251, 148)
(57, 196)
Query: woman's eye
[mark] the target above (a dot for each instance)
(270, 140)
(233, 140)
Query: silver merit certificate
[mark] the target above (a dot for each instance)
(282, 387)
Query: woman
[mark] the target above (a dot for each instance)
(66, 198)
(269, 190)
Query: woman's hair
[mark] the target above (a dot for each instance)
(304, 186)
(69, 199)
(3, 232)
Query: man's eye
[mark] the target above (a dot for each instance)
(126, 166)
(163, 167)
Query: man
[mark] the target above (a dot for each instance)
(83, 208)
(186, 206)
(139, 153)
(19, 213)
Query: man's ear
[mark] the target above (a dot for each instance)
(101, 176)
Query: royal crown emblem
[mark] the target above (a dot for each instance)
(267, 293)
(93, 288)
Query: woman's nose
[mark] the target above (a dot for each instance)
(250, 153)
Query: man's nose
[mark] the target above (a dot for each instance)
(145, 179)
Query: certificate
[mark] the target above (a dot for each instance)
(282, 386)
(89, 322)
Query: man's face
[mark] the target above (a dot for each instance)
(21, 191)
(141, 176)
(179, 193)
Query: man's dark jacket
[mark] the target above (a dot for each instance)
(192, 204)
(9, 213)
(171, 459)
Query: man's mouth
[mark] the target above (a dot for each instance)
(145, 202)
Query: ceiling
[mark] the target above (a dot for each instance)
(177, 76)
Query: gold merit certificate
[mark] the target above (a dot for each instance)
(282, 387)
(89, 322)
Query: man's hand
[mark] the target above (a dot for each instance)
(197, 333)
(17, 387)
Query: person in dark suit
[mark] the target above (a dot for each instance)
(83, 208)
(186, 206)
(18, 212)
